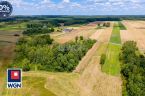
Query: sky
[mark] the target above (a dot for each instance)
(78, 7)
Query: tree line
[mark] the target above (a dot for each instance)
(38, 28)
(132, 70)
(38, 53)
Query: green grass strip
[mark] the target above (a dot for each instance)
(121, 25)
(112, 63)
(115, 37)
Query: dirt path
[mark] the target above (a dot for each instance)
(136, 32)
(92, 81)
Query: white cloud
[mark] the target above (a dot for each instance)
(66, 1)
(85, 5)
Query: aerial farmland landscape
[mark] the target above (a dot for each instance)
(73, 54)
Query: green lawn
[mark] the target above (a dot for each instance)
(32, 86)
(115, 37)
(112, 63)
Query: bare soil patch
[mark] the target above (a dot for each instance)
(136, 32)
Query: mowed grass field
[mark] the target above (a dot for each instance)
(32, 86)
(112, 63)
(115, 37)
(38, 83)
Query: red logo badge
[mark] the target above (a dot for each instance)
(15, 75)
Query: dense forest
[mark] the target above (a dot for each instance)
(132, 70)
(38, 53)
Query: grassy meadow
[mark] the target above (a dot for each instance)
(112, 63)
(115, 37)
(12, 27)
(45, 84)
(36, 87)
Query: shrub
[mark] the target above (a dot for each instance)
(26, 67)
(81, 38)
(103, 58)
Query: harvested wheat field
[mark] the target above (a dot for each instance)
(135, 32)
(92, 81)
(101, 35)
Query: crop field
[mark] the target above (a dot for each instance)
(90, 82)
(135, 32)
(89, 77)
(115, 37)
(121, 25)
(48, 84)
(35, 88)
(12, 27)
(86, 31)
(7, 46)
(112, 63)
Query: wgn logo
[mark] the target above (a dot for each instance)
(5, 9)
(14, 78)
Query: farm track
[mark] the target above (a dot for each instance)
(135, 32)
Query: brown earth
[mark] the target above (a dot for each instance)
(135, 32)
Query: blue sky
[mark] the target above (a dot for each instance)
(78, 7)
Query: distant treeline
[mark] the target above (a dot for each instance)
(82, 19)
(55, 20)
